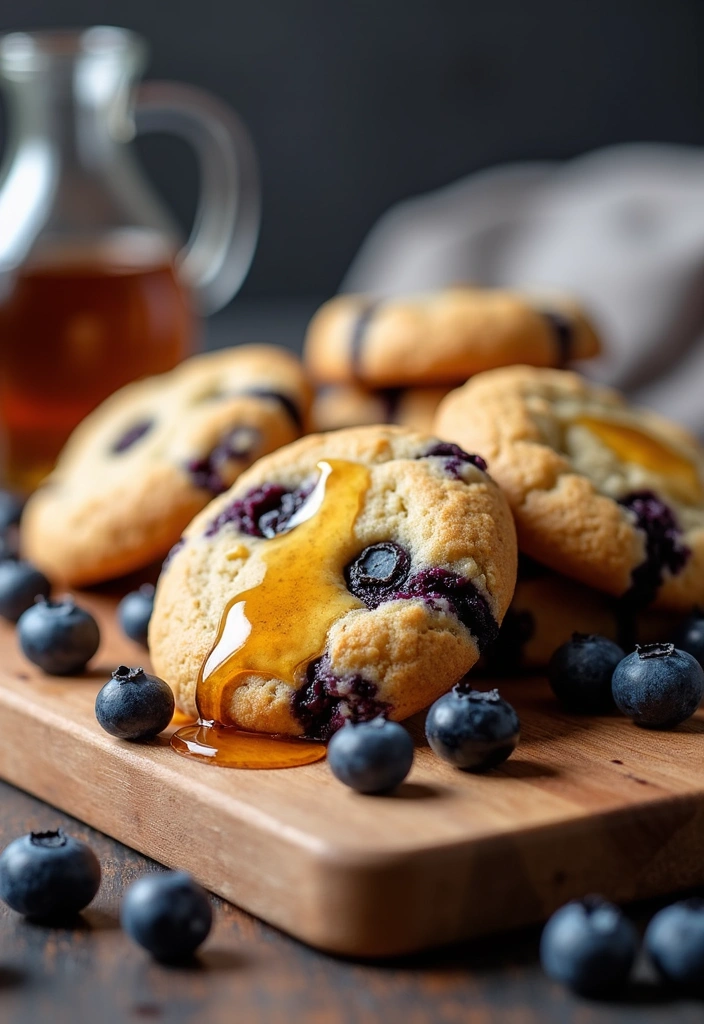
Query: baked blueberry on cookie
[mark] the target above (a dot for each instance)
(442, 338)
(349, 575)
(603, 492)
(138, 469)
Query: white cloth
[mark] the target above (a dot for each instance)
(621, 228)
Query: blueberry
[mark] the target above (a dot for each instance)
(20, 584)
(326, 701)
(589, 945)
(674, 940)
(134, 705)
(658, 686)
(168, 914)
(377, 571)
(690, 635)
(580, 672)
(48, 875)
(10, 510)
(471, 729)
(371, 757)
(134, 612)
(131, 436)
(58, 636)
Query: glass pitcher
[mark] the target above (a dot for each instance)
(96, 285)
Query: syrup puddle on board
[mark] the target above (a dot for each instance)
(275, 629)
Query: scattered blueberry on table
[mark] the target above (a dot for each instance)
(58, 636)
(134, 612)
(48, 875)
(589, 945)
(371, 757)
(658, 686)
(20, 584)
(472, 729)
(168, 914)
(580, 673)
(134, 705)
(690, 635)
(674, 941)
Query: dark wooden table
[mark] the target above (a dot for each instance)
(91, 973)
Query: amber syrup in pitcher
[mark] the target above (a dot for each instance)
(278, 627)
(76, 323)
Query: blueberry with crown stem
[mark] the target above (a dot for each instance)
(674, 941)
(590, 946)
(658, 686)
(48, 875)
(371, 757)
(134, 705)
(58, 636)
(134, 612)
(168, 914)
(20, 584)
(472, 729)
(580, 672)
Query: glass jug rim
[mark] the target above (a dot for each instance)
(29, 50)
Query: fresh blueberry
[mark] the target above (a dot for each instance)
(377, 571)
(134, 612)
(589, 945)
(59, 636)
(690, 635)
(48, 875)
(472, 729)
(134, 705)
(20, 584)
(371, 757)
(10, 510)
(658, 686)
(580, 673)
(168, 914)
(674, 940)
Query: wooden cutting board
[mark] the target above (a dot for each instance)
(584, 805)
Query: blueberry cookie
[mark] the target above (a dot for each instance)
(547, 608)
(350, 405)
(349, 575)
(601, 491)
(442, 338)
(136, 471)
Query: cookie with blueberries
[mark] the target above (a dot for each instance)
(138, 469)
(443, 337)
(347, 576)
(606, 493)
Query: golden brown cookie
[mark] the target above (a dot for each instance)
(442, 338)
(601, 491)
(350, 574)
(137, 470)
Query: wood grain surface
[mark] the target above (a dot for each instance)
(584, 805)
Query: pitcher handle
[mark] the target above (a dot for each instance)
(215, 260)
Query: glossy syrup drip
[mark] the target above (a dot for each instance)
(279, 626)
(631, 445)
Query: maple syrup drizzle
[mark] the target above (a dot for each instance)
(279, 626)
(632, 445)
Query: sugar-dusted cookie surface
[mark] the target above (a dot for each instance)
(363, 572)
(350, 405)
(444, 337)
(601, 491)
(137, 470)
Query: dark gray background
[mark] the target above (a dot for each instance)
(354, 104)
